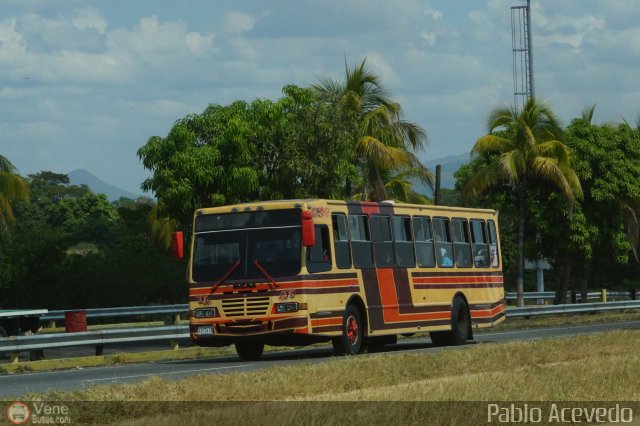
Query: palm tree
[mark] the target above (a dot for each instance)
(399, 186)
(383, 140)
(12, 188)
(532, 149)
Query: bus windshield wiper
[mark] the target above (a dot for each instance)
(266, 274)
(226, 275)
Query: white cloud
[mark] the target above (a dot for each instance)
(434, 14)
(90, 19)
(430, 38)
(103, 78)
(238, 22)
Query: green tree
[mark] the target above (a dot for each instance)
(295, 147)
(42, 266)
(531, 149)
(383, 143)
(608, 164)
(12, 188)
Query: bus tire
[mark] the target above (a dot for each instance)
(352, 339)
(440, 338)
(249, 350)
(460, 322)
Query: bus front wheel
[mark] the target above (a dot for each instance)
(351, 342)
(249, 351)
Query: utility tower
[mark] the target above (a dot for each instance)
(522, 54)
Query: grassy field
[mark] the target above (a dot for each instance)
(380, 388)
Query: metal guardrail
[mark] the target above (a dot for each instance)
(14, 345)
(550, 295)
(129, 311)
(529, 311)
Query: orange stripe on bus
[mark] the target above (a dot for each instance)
(458, 280)
(487, 313)
(326, 321)
(389, 298)
(203, 291)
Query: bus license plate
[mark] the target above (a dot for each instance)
(205, 329)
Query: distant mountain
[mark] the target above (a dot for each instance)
(450, 164)
(98, 186)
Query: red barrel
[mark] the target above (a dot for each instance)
(75, 321)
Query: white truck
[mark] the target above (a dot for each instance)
(14, 322)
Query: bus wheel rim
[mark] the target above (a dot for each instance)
(352, 330)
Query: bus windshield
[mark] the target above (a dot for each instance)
(272, 238)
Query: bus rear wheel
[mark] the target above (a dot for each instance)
(440, 338)
(460, 322)
(352, 340)
(460, 326)
(249, 351)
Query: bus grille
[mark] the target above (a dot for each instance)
(245, 307)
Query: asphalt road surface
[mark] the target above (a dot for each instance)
(18, 384)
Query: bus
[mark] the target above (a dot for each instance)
(357, 274)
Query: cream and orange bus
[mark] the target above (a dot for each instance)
(355, 273)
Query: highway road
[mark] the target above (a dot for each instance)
(18, 384)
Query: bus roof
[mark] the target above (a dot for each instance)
(315, 202)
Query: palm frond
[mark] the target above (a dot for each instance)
(512, 165)
(587, 113)
(487, 177)
(6, 165)
(492, 143)
(501, 117)
(548, 169)
(554, 149)
(160, 227)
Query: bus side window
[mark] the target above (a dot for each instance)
(319, 255)
(424, 242)
(480, 246)
(382, 241)
(461, 243)
(494, 256)
(444, 246)
(360, 241)
(403, 242)
(341, 241)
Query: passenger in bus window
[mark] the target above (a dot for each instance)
(446, 260)
(494, 256)
(481, 258)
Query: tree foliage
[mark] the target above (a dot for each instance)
(12, 188)
(594, 245)
(74, 249)
(530, 149)
(383, 144)
(291, 148)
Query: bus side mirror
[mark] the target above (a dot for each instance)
(177, 244)
(308, 232)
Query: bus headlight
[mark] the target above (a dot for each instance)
(205, 313)
(286, 307)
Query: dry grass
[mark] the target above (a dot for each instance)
(599, 367)
(567, 319)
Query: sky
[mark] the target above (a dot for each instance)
(84, 84)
